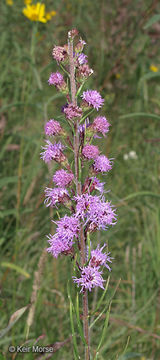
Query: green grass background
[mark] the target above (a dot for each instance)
(118, 42)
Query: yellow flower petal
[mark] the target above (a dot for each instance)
(153, 68)
(35, 12)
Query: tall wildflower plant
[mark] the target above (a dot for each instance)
(83, 198)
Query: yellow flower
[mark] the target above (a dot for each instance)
(27, 2)
(50, 14)
(35, 12)
(9, 2)
(153, 68)
(118, 76)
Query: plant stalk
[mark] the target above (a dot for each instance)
(78, 189)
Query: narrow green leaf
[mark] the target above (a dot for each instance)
(102, 297)
(14, 318)
(125, 349)
(16, 268)
(85, 116)
(73, 331)
(72, 324)
(89, 245)
(80, 88)
(80, 328)
(152, 21)
(104, 330)
(149, 75)
(107, 305)
(140, 114)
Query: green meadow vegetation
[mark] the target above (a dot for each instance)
(123, 49)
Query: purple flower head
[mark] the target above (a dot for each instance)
(90, 278)
(97, 213)
(83, 72)
(101, 124)
(82, 59)
(80, 45)
(102, 164)
(56, 195)
(100, 215)
(90, 151)
(62, 178)
(62, 241)
(53, 152)
(71, 111)
(96, 185)
(82, 205)
(59, 53)
(59, 245)
(56, 79)
(52, 127)
(92, 184)
(98, 258)
(93, 98)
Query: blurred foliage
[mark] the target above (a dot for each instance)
(123, 49)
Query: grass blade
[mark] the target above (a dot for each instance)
(140, 114)
(141, 193)
(14, 318)
(16, 268)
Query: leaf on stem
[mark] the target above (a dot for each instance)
(103, 331)
(71, 308)
(80, 328)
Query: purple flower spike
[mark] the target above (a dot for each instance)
(90, 278)
(62, 178)
(102, 164)
(53, 152)
(100, 259)
(56, 195)
(52, 127)
(93, 98)
(90, 151)
(101, 124)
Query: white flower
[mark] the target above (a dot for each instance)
(132, 155)
(125, 156)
